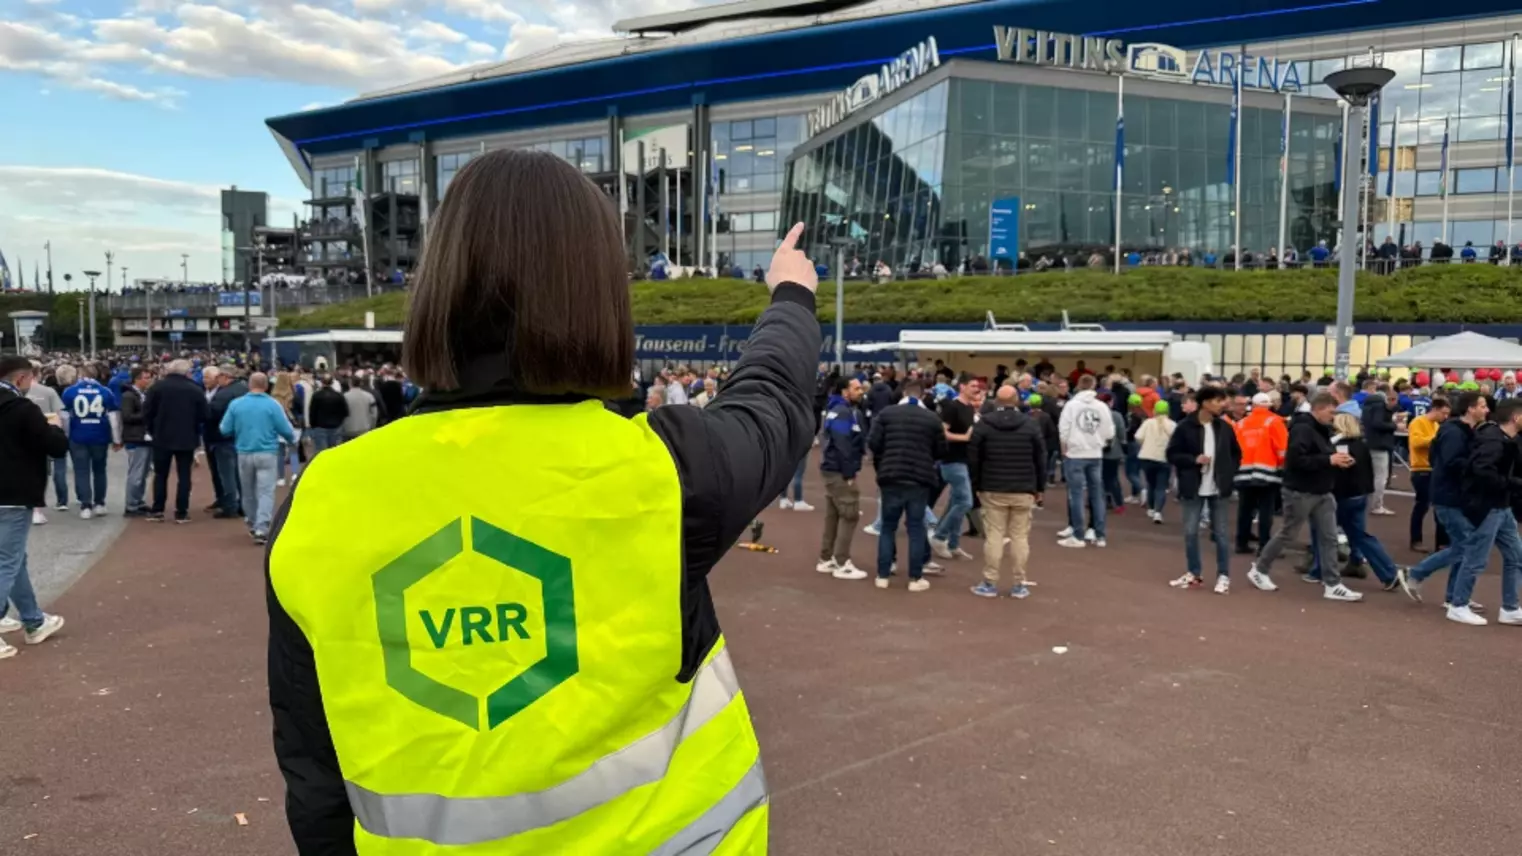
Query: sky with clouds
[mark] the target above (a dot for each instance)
(125, 117)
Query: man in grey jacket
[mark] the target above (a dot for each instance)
(135, 438)
(364, 412)
(51, 403)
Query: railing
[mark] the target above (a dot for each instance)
(208, 302)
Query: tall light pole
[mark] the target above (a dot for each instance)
(109, 256)
(81, 322)
(92, 274)
(840, 302)
(49, 247)
(185, 268)
(1356, 86)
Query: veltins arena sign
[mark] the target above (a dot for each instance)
(1145, 59)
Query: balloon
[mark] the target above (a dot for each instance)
(1422, 379)
(1469, 386)
(1034, 400)
(1495, 374)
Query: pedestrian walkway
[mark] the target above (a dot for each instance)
(66, 547)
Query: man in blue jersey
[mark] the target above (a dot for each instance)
(94, 426)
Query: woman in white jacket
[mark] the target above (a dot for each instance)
(1153, 437)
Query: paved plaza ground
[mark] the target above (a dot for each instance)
(937, 723)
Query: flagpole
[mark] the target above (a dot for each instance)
(1511, 143)
(1444, 179)
(1284, 182)
(1236, 166)
(361, 197)
(1390, 180)
(713, 184)
(678, 218)
(1120, 157)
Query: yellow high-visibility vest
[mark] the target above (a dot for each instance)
(493, 598)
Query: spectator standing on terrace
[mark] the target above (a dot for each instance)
(135, 438)
(176, 411)
(257, 424)
(1085, 427)
(50, 403)
(1006, 462)
(27, 439)
(94, 425)
(844, 445)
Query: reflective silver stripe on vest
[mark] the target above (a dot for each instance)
(473, 820)
(705, 834)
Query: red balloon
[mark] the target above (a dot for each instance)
(1422, 378)
(1495, 374)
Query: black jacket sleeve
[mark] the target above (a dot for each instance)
(1180, 456)
(316, 804)
(38, 435)
(975, 455)
(151, 405)
(1490, 478)
(875, 440)
(1304, 454)
(738, 454)
(132, 411)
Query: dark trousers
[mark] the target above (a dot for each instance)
(216, 478)
(1110, 473)
(1255, 499)
(1421, 482)
(908, 502)
(182, 463)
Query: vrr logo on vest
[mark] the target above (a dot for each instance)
(414, 591)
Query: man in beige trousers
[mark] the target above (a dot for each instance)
(1006, 459)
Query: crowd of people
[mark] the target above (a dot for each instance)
(252, 428)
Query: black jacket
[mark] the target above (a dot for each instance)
(329, 409)
(393, 400)
(220, 401)
(1188, 443)
(1049, 433)
(134, 420)
(174, 412)
(1493, 479)
(1007, 454)
(906, 442)
(880, 397)
(1378, 424)
(26, 443)
(1308, 461)
(733, 458)
(1449, 456)
(844, 438)
(1357, 480)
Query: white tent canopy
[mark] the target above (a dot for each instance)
(1460, 351)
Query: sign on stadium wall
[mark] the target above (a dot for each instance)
(1145, 59)
(907, 66)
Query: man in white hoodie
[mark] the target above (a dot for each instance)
(1084, 429)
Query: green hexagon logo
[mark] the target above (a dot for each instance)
(461, 627)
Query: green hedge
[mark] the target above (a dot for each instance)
(1477, 293)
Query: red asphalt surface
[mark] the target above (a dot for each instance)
(1174, 722)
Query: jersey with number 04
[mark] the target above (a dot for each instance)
(88, 404)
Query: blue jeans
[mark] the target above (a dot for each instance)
(224, 456)
(324, 438)
(15, 582)
(89, 472)
(61, 479)
(1351, 519)
(908, 502)
(1110, 472)
(803, 466)
(930, 519)
(1220, 510)
(256, 484)
(137, 476)
(960, 482)
(1157, 473)
(1499, 528)
(1085, 476)
(1459, 531)
(1134, 469)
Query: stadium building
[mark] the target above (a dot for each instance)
(900, 126)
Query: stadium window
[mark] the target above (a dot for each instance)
(1441, 59)
(1488, 55)
(1428, 182)
(1480, 180)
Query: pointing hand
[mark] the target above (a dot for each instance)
(790, 264)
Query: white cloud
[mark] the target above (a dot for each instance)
(146, 222)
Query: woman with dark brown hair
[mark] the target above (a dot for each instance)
(523, 654)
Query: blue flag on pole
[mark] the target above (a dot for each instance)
(1231, 133)
(1442, 175)
(1390, 174)
(1374, 139)
(1511, 107)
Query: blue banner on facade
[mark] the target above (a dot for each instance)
(235, 298)
(1004, 228)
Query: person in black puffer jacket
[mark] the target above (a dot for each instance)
(906, 442)
(1379, 410)
(1352, 488)
(1006, 460)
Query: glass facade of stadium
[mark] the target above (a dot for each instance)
(914, 175)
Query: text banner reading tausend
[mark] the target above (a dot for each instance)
(1145, 59)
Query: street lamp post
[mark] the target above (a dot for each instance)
(92, 274)
(1356, 86)
(840, 302)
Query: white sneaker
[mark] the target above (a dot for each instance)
(1088, 535)
(1342, 593)
(871, 529)
(963, 554)
(1223, 585)
(100, 511)
(1474, 606)
(785, 504)
(1260, 580)
(800, 505)
(940, 548)
(881, 582)
(9, 625)
(1070, 541)
(50, 625)
(1067, 532)
(826, 566)
(934, 569)
(1157, 517)
(84, 514)
(38, 518)
(279, 482)
(1100, 542)
(921, 584)
(1509, 616)
(849, 571)
(1464, 615)
(62, 506)
(7, 650)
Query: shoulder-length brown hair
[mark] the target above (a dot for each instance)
(524, 259)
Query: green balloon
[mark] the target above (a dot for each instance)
(1161, 408)
(1034, 400)
(1134, 400)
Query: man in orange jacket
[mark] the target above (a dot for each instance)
(1263, 438)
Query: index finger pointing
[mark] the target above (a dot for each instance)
(791, 241)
